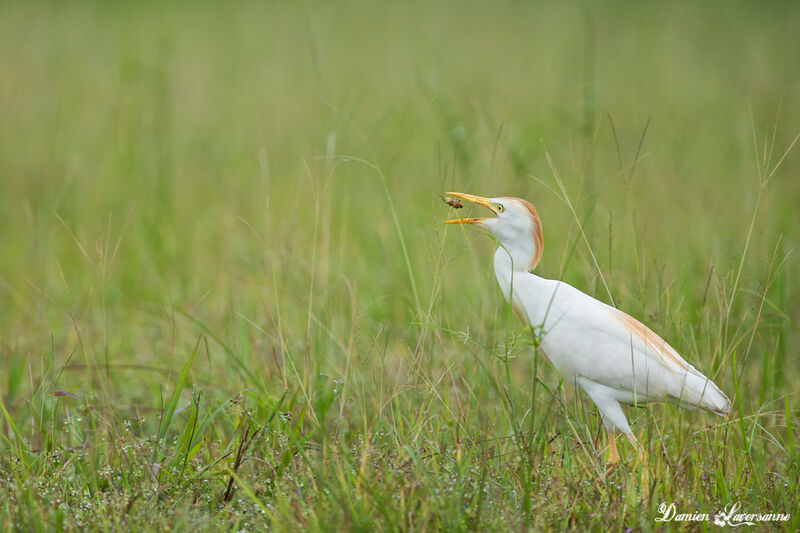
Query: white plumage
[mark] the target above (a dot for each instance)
(612, 356)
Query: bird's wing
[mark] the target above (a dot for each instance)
(661, 370)
(653, 345)
(585, 338)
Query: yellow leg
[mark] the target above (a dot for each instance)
(644, 463)
(613, 454)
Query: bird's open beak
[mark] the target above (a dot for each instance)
(480, 200)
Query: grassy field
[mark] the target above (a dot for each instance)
(227, 302)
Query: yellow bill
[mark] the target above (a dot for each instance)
(480, 200)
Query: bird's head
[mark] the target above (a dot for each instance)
(516, 226)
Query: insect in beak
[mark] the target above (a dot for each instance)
(480, 200)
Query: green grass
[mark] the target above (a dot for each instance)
(226, 301)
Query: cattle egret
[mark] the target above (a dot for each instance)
(608, 354)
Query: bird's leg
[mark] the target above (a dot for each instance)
(644, 463)
(613, 454)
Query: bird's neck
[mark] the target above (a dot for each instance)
(518, 257)
(507, 263)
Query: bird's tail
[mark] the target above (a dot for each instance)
(699, 391)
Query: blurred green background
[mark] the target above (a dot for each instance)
(196, 145)
(261, 166)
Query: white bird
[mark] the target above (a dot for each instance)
(608, 354)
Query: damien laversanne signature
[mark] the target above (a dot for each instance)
(729, 516)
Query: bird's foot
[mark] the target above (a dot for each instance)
(613, 453)
(644, 461)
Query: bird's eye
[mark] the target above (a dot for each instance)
(500, 208)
